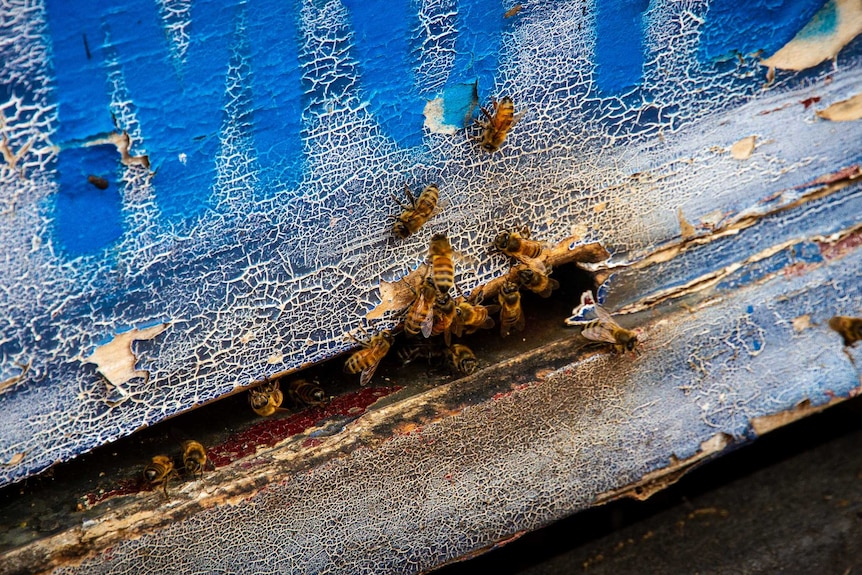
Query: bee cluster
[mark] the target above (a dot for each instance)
(432, 310)
(161, 469)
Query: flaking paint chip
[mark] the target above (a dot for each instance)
(743, 149)
(843, 111)
(115, 360)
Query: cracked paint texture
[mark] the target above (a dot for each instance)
(260, 232)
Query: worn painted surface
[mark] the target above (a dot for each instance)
(274, 138)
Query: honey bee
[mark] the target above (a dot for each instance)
(470, 317)
(368, 358)
(266, 399)
(518, 245)
(850, 328)
(302, 391)
(160, 471)
(511, 314)
(420, 315)
(462, 358)
(194, 458)
(497, 124)
(534, 280)
(417, 213)
(440, 254)
(444, 315)
(604, 329)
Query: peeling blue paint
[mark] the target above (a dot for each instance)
(480, 27)
(87, 219)
(459, 101)
(745, 28)
(383, 51)
(619, 44)
(824, 22)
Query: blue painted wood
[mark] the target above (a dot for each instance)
(276, 135)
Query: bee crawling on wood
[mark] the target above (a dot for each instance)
(462, 358)
(511, 314)
(850, 328)
(534, 278)
(471, 316)
(518, 245)
(369, 357)
(195, 458)
(160, 471)
(605, 329)
(420, 313)
(417, 213)
(497, 123)
(266, 398)
(304, 392)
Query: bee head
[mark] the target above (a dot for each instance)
(489, 147)
(318, 395)
(509, 287)
(257, 399)
(192, 465)
(399, 228)
(501, 242)
(468, 365)
(151, 473)
(631, 342)
(525, 276)
(387, 336)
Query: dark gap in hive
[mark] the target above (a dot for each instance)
(87, 486)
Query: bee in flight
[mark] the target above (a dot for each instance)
(497, 123)
(518, 245)
(195, 458)
(511, 314)
(417, 213)
(534, 280)
(369, 357)
(604, 329)
(304, 392)
(462, 358)
(420, 314)
(160, 471)
(266, 399)
(440, 254)
(850, 328)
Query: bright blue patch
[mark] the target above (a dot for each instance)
(277, 97)
(79, 80)
(756, 344)
(459, 101)
(480, 25)
(823, 23)
(734, 27)
(87, 219)
(619, 55)
(382, 46)
(749, 309)
(175, 102)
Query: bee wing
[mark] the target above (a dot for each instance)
(427, 325)
(488, 323)
(602, 330)
(519, 325)
(603, 315)
(368, 372)
(552, 285)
